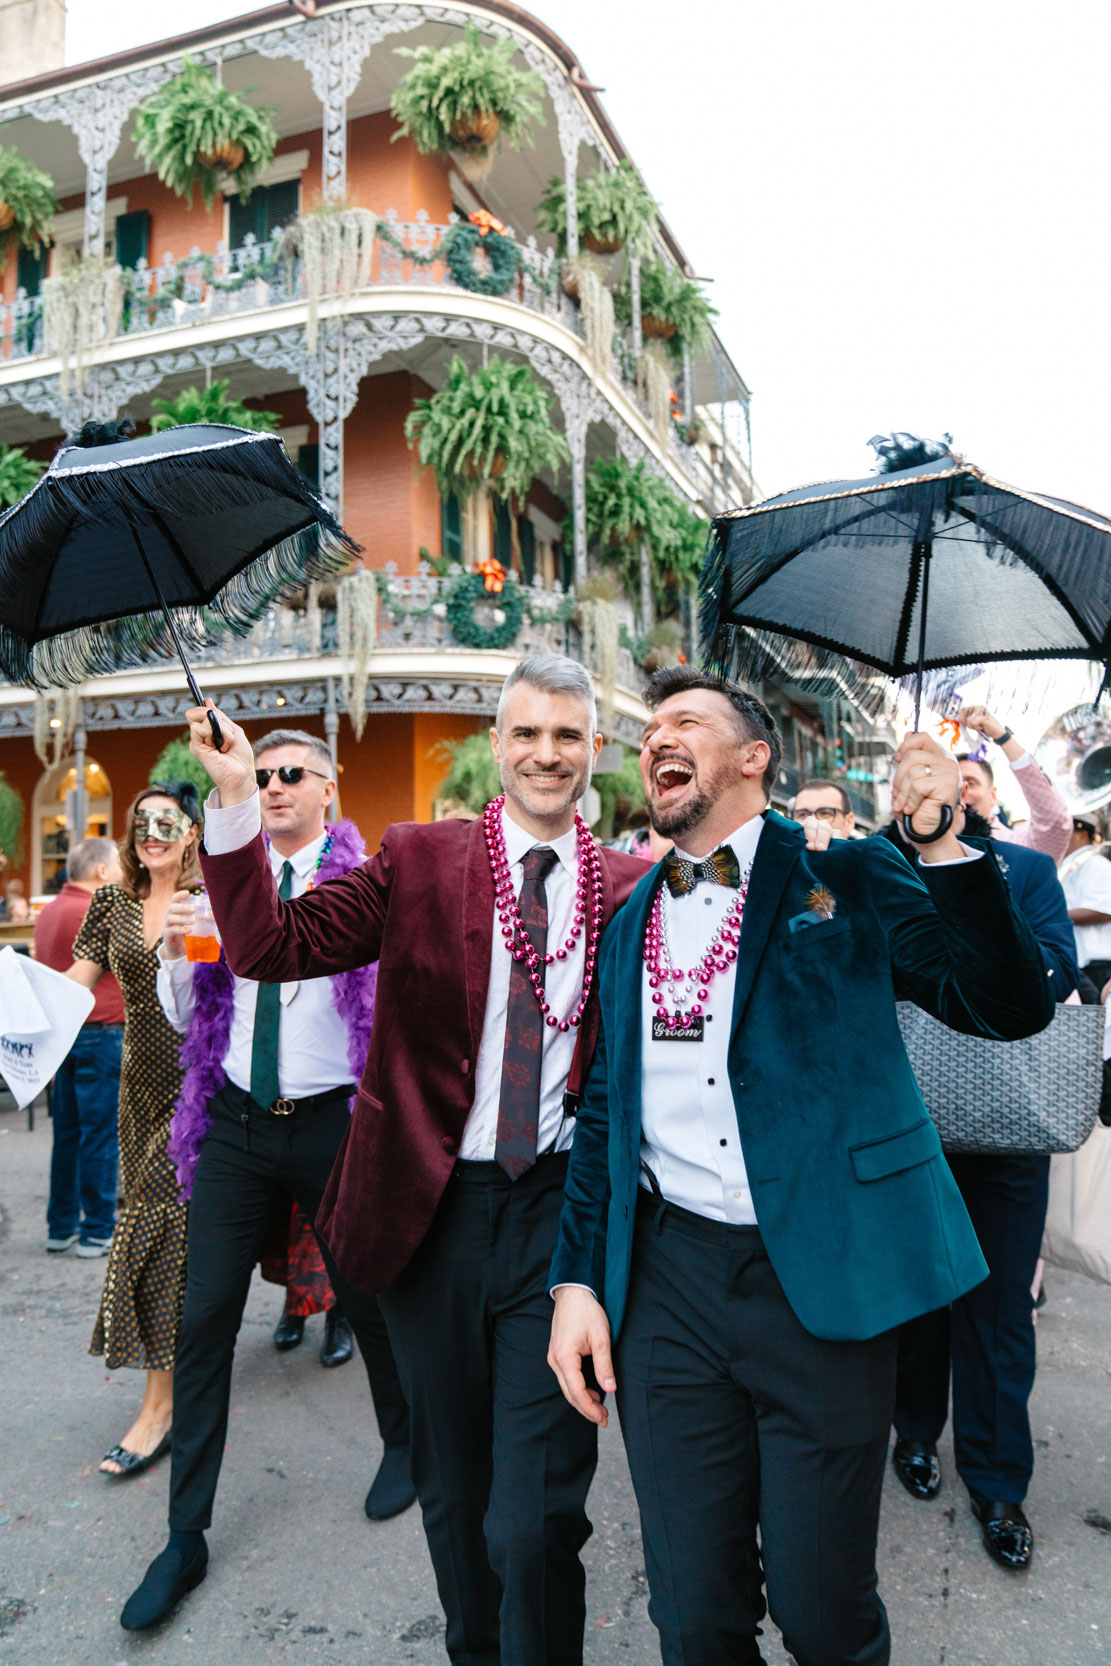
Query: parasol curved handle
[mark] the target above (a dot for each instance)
(939, 832)
(217, 732)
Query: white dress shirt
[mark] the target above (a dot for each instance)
(1086, 881)
(563, 983)
(689, 1134)
(312, 1038)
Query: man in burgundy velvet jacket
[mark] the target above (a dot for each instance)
(446, 1193)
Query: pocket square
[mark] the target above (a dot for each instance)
(798, 921)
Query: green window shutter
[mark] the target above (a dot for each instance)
(31, 270)
(526, 535)
(503, 534)
(451, 530)
(244, 219)
(270, 206)
(282, 204)
(132, 238)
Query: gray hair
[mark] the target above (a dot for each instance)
(84, 859)
(297, 737)
(551, 674)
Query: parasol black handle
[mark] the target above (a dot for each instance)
(194, 687)
(939, 832)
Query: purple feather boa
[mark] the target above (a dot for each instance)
(205, 1046)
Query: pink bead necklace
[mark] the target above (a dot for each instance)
(588, 901)
(682, 985)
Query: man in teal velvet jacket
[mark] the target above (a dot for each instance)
(756, 1193)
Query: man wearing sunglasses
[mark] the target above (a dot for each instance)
(262, 1132)
(828, 803)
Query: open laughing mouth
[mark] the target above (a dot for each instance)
(671, 775)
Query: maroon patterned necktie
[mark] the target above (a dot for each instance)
(519, 1107)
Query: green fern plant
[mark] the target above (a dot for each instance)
(671, 306)
(615, 211)
(18, 474)
(11, 821)
(486, 426)
(472, 779)
(27, 204)
(193, 131)
(211, 404)
(175, 762)
(439, 102)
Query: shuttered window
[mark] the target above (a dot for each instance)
(270, 206)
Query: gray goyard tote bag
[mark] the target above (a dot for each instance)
(1038, 1095)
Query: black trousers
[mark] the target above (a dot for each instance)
(735, 1417)
(501, 1462)
(987, 1336)
(251, 1163)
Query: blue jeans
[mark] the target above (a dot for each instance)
(84, 1107)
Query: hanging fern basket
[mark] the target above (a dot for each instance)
(601, 245)
(473, 613)
(474, 470)
(658, 329)
(476, 131)
(226, 158)
(7, 216)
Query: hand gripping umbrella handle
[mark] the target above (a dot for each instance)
(939, 832)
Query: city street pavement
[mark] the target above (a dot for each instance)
(299, 1576)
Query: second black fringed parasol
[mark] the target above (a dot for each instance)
(927, 563)
(130, 548)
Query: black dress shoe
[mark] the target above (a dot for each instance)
(392, 1489)
(289, 1332)
(338, 1344)
(165, 1582)
(1008, 1536)
(918, 1467)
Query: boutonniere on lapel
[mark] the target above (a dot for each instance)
(821, 902)
(821, 905)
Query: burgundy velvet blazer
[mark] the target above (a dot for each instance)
(423, 908)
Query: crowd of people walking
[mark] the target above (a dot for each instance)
(537, 1123)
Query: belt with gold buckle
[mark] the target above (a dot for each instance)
(283, 1107)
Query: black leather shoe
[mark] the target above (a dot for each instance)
(165, 1582)
(392, 1489)
(338, 1344)
(918, 1467)
(1008, 1536)
(289, 1332)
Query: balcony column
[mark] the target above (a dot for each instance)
(331, 731)
(634, 304)
(576, 440)
(688, 385)
(573, 131)
(646, 609)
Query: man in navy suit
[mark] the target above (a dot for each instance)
(755, 1191)
(987, 1337)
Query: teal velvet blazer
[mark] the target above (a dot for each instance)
(858, 1211)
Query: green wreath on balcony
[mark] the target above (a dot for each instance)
(504, 256)
(462, 600)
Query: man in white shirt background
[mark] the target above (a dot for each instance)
(756, 1192)
(276, 1126)
(1085, 876)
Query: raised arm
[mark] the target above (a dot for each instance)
(324, 932)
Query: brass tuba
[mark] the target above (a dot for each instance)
(1075, 753)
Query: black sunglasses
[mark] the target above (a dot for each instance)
(288, 774)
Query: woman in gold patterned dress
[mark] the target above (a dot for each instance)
(140, 1308)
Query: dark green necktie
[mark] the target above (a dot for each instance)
(265, 1086)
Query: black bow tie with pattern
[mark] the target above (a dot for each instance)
(722, 868)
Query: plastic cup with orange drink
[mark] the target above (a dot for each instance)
(202, 940)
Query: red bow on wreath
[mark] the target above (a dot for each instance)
(493, 572)
(486, 222)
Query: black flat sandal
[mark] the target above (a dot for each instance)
(132, 1463)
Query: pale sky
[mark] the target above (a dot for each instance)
(904, 210)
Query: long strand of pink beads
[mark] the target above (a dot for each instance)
(588, 902)
(681, 985)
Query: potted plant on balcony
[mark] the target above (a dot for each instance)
(486, 427)
(466, 97)
(672, 308)
(18, 474)
(27, 204)
(194, 131)
(211, 404)
(614, 208)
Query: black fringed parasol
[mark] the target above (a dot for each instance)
(927, 563)
(127, 549)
